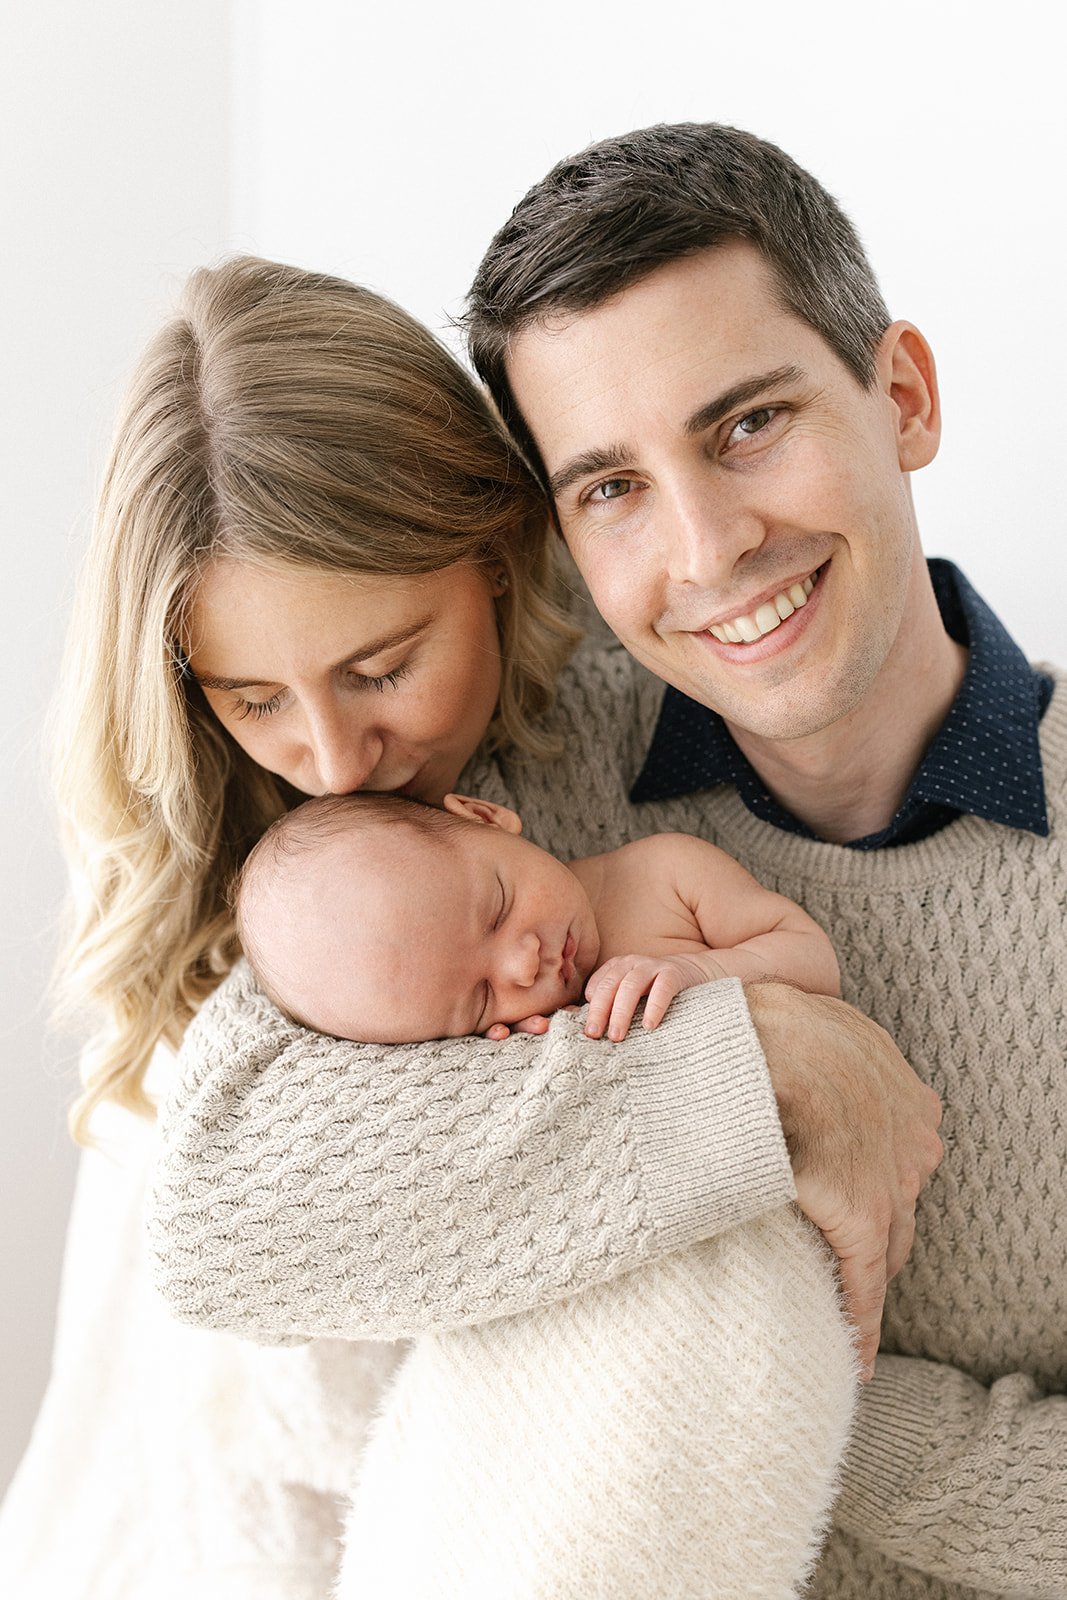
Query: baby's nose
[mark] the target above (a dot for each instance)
(525, 960)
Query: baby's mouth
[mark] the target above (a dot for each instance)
(566, 967)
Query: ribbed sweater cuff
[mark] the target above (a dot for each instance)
(707, 1128)
(890, 1444)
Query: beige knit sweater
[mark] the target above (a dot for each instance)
(312, 1188)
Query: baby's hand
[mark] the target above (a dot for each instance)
(615, 988)
(502, 1030)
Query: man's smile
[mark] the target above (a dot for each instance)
(766, 616)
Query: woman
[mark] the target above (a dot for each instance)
(319, 566)
(281, 417)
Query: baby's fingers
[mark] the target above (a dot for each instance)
(623, 1007)
(662, 992)
(601, 992)
(500, 1030)
(634, 983)
(537, 1024)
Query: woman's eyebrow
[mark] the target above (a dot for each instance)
(212, 680)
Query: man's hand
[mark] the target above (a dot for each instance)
(861, 1131)
(614, 990)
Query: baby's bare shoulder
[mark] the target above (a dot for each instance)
(661, 868)
(667, 852)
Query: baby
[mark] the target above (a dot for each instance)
(688, 1389)
(378, 918)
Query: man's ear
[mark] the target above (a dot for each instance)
(502, 817)
(907, 374)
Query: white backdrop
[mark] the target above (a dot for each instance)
(389, 148)
(387, 145)
(114, 182)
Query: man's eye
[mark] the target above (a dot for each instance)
(754, 423)
(612, 489)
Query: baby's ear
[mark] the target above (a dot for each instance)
(502, 817)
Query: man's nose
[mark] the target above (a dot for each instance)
(343, 756)
(707, 529)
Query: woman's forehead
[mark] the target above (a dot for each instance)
(244, 617)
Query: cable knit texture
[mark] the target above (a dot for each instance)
(311, 1188)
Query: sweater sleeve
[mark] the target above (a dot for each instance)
(309, 1187)
(965, 1483)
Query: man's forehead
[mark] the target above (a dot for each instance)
(658, 352)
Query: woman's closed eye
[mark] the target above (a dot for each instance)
(386, 680)
(258, 709)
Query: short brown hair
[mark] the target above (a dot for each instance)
(604, 219)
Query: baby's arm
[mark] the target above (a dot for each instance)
(748, 932)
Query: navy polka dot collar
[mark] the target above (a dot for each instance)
(984, 762)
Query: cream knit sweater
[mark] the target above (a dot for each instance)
(310, 1188)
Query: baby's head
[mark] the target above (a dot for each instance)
(379, 918)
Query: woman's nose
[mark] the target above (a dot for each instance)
(343, 757)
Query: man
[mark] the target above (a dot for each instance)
(681, 328)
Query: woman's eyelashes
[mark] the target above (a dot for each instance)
(387, 680)
(257, 709)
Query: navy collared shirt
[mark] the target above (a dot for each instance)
(985, 761)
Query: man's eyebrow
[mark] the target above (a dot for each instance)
(589, 461)
(211, 680)
(741, 393)
(617, 456)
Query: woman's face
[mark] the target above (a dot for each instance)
(338, 681)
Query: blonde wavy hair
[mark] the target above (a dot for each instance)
(280, 417)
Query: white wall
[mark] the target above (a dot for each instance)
(388, 145)
(114, 181)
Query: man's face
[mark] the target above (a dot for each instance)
(709, 453)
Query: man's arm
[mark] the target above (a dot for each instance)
(963, 1482)
(861, 1132)
(310, 1187)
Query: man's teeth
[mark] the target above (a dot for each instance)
(767, 617)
